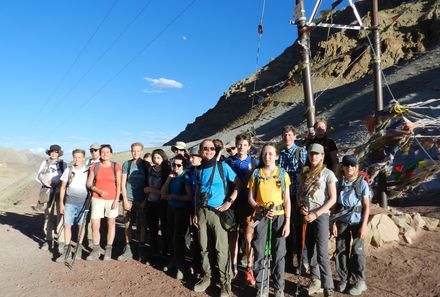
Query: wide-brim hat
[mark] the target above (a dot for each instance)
(54, 147)
(316, 148)
(180, 145)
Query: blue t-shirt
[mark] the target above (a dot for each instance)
(243, 169)
(177, 187)
(347, 198)
(217, 190)
(135, 179)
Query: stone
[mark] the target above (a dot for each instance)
(431, 224)
(409, 235)
(418, 221)
(401, 222)
(383, 230)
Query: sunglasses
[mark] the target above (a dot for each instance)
(54, 152)
(208, 148)
(94, 150)
(229, 149)
(177, 165)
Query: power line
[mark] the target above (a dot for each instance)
(102, 54)
(139, 53)
(49, 99)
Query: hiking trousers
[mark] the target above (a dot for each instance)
(178, 223)
(350, 263)
(53, 220)
(155, 212)
(210, 227)
(278, 252)
(317, 250)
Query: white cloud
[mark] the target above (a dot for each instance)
(163, 83)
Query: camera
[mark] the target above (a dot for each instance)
(218, 148)
(204, 198)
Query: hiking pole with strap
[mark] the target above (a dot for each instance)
(84, 213)
(267, 259)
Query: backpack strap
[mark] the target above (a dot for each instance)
(129, 167)
(222, 175)
(71, 176)
(60, 165)
(281, 176)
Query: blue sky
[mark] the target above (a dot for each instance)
(119, 71)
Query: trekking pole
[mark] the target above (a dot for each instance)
(81, 230)
(267, 259)
(301, 256)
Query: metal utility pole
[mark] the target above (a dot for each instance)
(378, 106)
(304, 42)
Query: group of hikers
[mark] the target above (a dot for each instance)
(280, 207)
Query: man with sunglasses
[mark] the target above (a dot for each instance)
(211, 197)
(48, 177)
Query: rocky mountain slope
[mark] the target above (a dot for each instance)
(341, 62)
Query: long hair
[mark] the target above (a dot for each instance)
(261, 161)
(340, 172)
(310, 174)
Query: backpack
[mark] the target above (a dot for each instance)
(95, 172)
(280, 176)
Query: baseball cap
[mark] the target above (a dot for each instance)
(349, 160)
(95, 146)
(316, 148)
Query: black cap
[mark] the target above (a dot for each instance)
(349, 160)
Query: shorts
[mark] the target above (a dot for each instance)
(72, 211)
(103, 208)
(244, 214)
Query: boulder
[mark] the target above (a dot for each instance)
(401, 222)
(431, 224)
(383, 230)
(418, 221)
(409, 235)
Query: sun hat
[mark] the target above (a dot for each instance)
(54, 147)
(194, 151)
(180, 145)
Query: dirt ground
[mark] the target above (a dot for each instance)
(394, 270)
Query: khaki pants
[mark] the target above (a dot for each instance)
(209, 223)
(53, 220)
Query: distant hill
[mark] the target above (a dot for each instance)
(339, 58)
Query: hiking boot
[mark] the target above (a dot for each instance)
(358, 288)
(203, 284)
(78, 254)
(305, 268)
(263, 292)
(62, 255)
(142, 255)
(94, 255)
(225, 291)
(45, 246)
(179, 274)
(315, 287)
(108, 252)
(341, 286)
(126, 255)
(279, 293)
(329, 293)
(169, 267)
(61, 248)
(250, 279)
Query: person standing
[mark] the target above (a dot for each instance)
(133, 179)
(94, 158)
(353, 195)
(269, 196)
(177, 191)
(73, 195)
(48, 176)
(292, 159)
(104, 181)
(211, 198)
(316, 195)
(330, 148)
(156, 212)
(243, 165)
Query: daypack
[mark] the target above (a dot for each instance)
(280, 176)
(95, 171)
